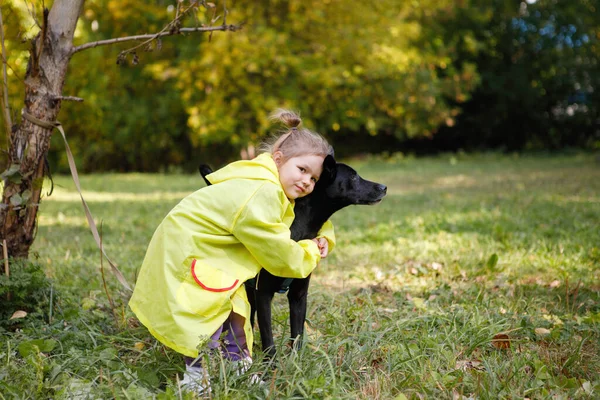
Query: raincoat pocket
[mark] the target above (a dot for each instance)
(205, 290)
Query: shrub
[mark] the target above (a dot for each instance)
(26, 288)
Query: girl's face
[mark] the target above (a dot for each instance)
(298, 175)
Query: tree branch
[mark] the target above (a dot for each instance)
(90, 45)
(43, 34)
(171, 29)
(5, 106)
(67, 98)
(37, 46)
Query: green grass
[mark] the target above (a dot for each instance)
(462, 249)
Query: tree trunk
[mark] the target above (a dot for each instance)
(49, 59)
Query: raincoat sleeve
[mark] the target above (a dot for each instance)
(260, 228)
(328, 233)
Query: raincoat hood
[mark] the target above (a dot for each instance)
(260, 168)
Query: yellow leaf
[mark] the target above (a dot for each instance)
(19, 314)
(139, 346)
(419, 303)
(553, 318)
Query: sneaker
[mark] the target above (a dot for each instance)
(243, 366)
(195, 380)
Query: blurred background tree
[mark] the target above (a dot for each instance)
(538, 63)
(372, 76)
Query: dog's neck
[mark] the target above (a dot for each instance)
(311, 213)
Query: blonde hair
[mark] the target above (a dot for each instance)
(294, 141)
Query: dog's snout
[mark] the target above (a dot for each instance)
(382, 188)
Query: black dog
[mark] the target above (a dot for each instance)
(338, 187)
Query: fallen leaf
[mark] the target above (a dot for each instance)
(542, 331)
(587, 387)
(133, 322)
(419, 303)
(501, 341)
(469, 364)
(376, 362)
(492, 262)
(139, 346)
(553, 318)
(18, 314)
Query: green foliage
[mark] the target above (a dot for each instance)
(539, 71)
(369, 75)
(26, 289)
(347, 69)
(410, 303)
(132, 117)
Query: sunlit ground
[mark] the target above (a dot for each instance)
(462, 248)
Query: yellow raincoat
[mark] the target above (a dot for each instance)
(209, 245)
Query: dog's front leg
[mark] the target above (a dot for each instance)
(297, 298)
(263, 313)
(251, 294)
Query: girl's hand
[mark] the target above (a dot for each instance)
(323, 246)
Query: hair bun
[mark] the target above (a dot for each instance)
(289, 118)
(294, 141)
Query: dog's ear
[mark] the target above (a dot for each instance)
(329, 169)
(205, 170)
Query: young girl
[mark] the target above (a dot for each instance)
(190, 293)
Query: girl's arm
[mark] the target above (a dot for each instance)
(260, 227)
